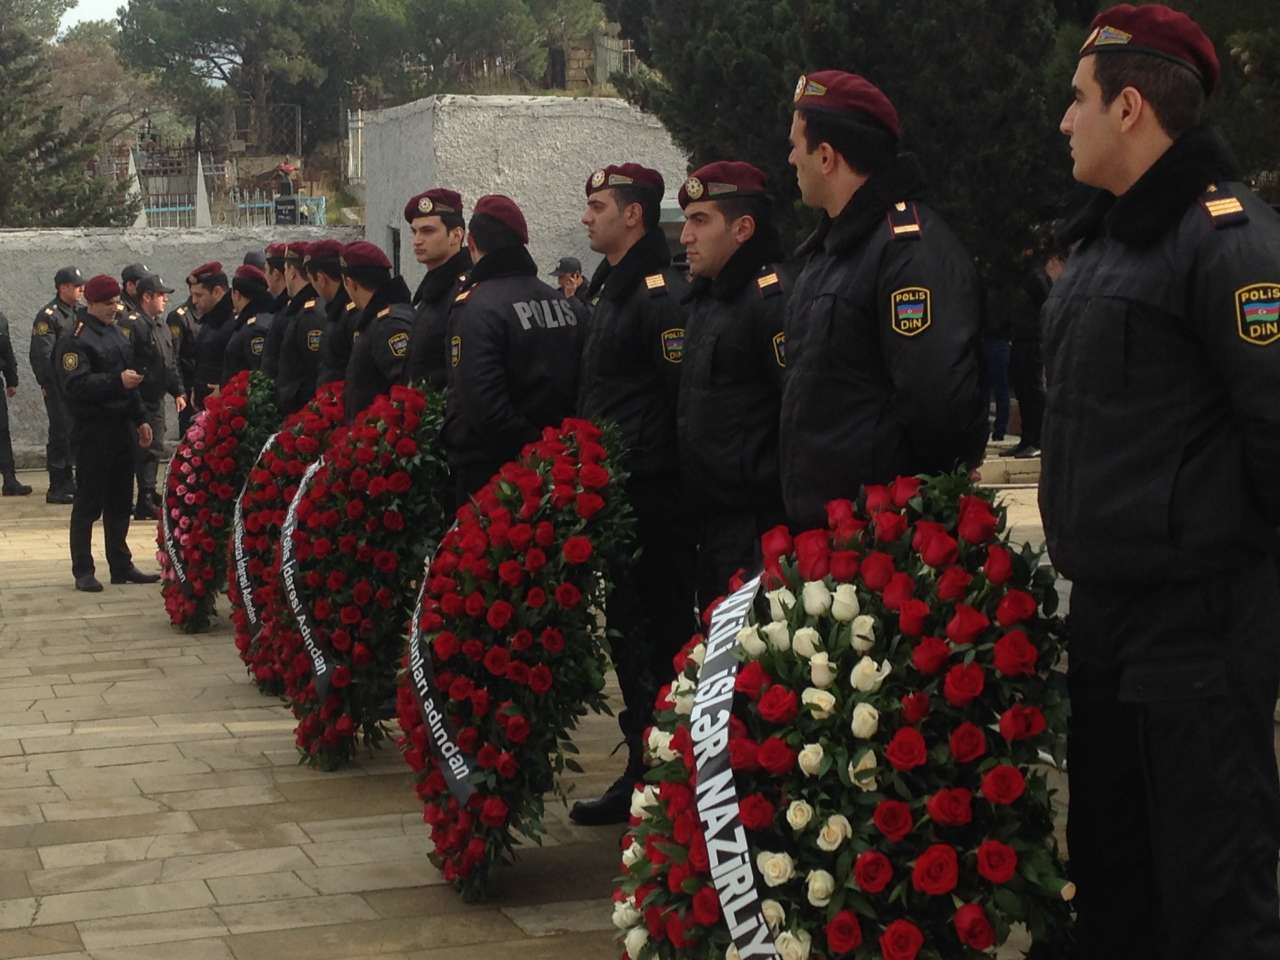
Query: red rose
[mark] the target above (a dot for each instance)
(903, 489)
(751, 680)
(877, 568)
(936, 870)
(878, 498)
(977, 521)
(540, 679)
(361, 656)
(940, 550)
(474, 604)
(953, 584)
(973, 928)
(500, 614)
(756, 811)
(915, 707)
(951, 808)
(776, 757)
(1021, 723)
(494, 812)
(511, 573)
(497, 659)
(901, 940)
(930, 655)
(744, 754)
(898, 591)
(577, 550)
(536, 598)
(544, 534)
(966, 625)
(568, 596)
(906, 750)
(706, 904)
(1014, 607)
(997, 862)
(889, 526)
(775, 542)
(552, 640)
(341, 640)
(813, 552)
(779, 705)
(872, 871)
(535, 560)
(968, 742)
(999, 565)
(893, 819)
(588, 505)
(844, 933)
(341, 677)
(1003, 785)
(964, 684)
(1015, 655)
(839, 512)
(912, 617)
(593, 476)
(517, 729)
(844, 565)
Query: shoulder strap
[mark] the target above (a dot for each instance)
(1223, 207)
(768, 283)
(904, 221)
(656, 283)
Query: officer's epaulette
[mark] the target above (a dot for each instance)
(1223, 207)
(385, 311)
(308, 305)
(462, 296)
(182, 311)
(351, 305)
(904, 221)
(251, 321)
(79, 327)
(657, 285)
(769, 283)
(48, 311)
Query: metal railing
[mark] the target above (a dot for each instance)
(170, 209)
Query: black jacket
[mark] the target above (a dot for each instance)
(89, 361)
(216, 328)
(183, 328)
(380, 347)
(513, 360)
(428, 355)
(1162, 357)
(271, 352)
(54, 320)
(340, 318)
(632, 352)
(154, 356)
(299, 362)
(249, 342)
(883, 350)
(731, 384)
(8, 363)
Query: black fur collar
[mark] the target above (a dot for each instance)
(507, 262)
(258, 305)
(1157, 202)
(302, 296)
(336, 307)
(867, 208)
(741, 269)
(390, 293)
(650, 254)
(440, 281)
(222, 312)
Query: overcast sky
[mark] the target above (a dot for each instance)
(92, 10)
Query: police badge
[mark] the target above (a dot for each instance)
(693, 187)
(425, 205)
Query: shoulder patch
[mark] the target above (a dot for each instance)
(780, 349)
(910, 311)
(41, 329)
(175, 330)
(462, 296)
(127, 331)
(384, 312)
(351, 305)
(398, 343)
(313, 340)
(904, 221)
(455, 351)
(657, 285)
(1258, 313)
(256, 345)
(308, 305)
(1223, 207)
(48, 311)
(70, 360)
(673, 345)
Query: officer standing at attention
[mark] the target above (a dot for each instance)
(57, 317)
(101, 388)
(884, 338)
(299, 362)
(324, 270)
(278, 288)
(439, 244)
(151, 340)
(384, 324)
(252, 303)
(630, 376)
(183, 328)
(129, 278)
(9, 368)
(731, 375)
(1161, 449)
(513, 350)
(210, 297)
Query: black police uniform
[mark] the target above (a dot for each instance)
(727, 418)
(271, 352)
(249, 342)
(380, 347)
(299, 361)
(340, 319)
(153, 357)
(884, 346)
(183, 327)
(216, 328)
(1160, 503)
(53, 321)
(1026, 366)
(9, 370)
(513, 366)
(106, 416)
(631, 377)
(428, 354)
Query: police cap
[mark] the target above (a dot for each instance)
(68, 275)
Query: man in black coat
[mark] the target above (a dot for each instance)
(384, 323)
(252, 303)
(56, 318)
(9, 369)
(278, 287)
(211, 299)
(439, 244)
(324, 269)
(301, 335)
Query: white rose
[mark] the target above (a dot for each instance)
(794, 946)
(625, 914)
(867, 676)
(778, 635)
(775, 868)
(810, 759)
(799, 816)
(864, 781)
(632, 854)
(821, 887)
(660, 746)
(864, 633)
(820, 670)
(834, 832)
(640, 799)
(698, 654)
(750, 642)
(817, 598)
(635, 940)
(821, 703)
(780, 601)
(844, 605)
(866, 721)
(682, 693)
(806, 642)
(732, 953)
(774, 915)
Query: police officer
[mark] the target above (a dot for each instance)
(1160, 503)
(573, 286)
(277, 286)
(299, 362)
(9, 369)
(731, 375)
(183, 327)
(54, 319)
(631, 376)
(324, 270)
(383, 328)
(210, 295)
(129, 277)
(155, 360)
(439, 244)
(513, 350)
(252, 302)
(883, 326)
(101, 389)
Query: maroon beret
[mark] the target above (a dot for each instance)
(296, 251)
(1156, 30)
(249, 280)
(363, 255)
(323, 250)
(626, 175)
(506, 212)
(834, 91)
(276, 252)
(206, 271)
(101, 288)
(248, 271)
(725, 178)
(431, 203)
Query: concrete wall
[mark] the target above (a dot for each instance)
(29, 259)
(537, 150)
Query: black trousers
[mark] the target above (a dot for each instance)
(6, 442)
(59, 450)
(1026, 377)
(104, 465)
(1174, 817)
(729, 541)
(146, 460)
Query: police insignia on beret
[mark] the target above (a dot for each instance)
(597, 178)
(70, 361)
(425, 205)
(809, 88)
(693, 187)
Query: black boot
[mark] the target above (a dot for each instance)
(614, 805)
(12, 488)
(146, 508)
(134, 575)
(58, 491)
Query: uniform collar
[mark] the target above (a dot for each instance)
(392, 292)
(649, 254)
(738, 272)
(509, 262)
(440, 281)
(254, 307)
(338, 305)
(302, 296)
(867, 208)
(220, 314)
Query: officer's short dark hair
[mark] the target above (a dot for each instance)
(330, 268)
(624, 196)
(211, 280)
(1174, 92)
(867, 146)
(758, 209)
(453, 221)
(491, 234)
